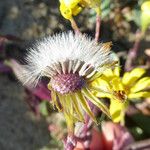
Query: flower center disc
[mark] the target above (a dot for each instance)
(65, 83)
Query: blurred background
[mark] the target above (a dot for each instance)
(22, 127)
(25, 20)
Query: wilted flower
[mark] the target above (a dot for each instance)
(131, 86)
(145, 15)
(71, 62)
(70, 8)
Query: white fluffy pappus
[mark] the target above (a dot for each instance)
(65, 53)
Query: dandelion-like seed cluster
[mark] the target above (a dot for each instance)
(71, 62)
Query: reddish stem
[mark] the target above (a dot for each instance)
(132, 54)
(97, 28)
(75, 26)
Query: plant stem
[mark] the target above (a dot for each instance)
(75, 26)
(132, 54)
(97, 28)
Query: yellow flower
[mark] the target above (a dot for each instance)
(145, 15)
(70, 8)
(131, 86)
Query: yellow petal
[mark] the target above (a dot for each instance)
(69, 8)
(117, 110)
(101, 84)
(108, 73)
(76, 10)
(66, 12)
(117, 71)
(141, 85)
(131, 77)
(139, 95)
(117, 84)
(102, 94)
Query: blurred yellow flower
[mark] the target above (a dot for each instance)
(95, 4)
(145, 15)
(131, 86)
(70, 8)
